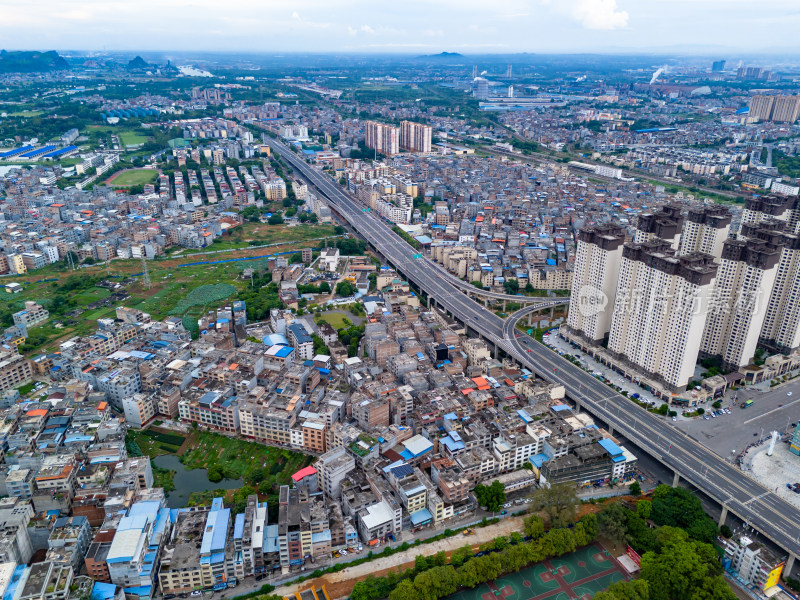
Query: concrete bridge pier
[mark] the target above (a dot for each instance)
(676, 480)
(722, 516)
(787, 569)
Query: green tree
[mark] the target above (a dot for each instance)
(636, 589)
(215, 474)
(612, 522)
(436, 583)
(678, 507)
(683, 568)
(345, 288)
(511, 286)
(589, 523)
(635, 488)
(533, 526)
(557, 502)
(491, 496)
(405, 590)
(461, 556)
(275, 219)
(644, 508)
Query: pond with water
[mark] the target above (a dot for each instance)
(188, 481)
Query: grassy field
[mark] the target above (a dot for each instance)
(26, 113)
(132, 138)
(152, 443)
(337, 320)
(134, 177)
(92, 295)
(262, 234)
(170, 284)
(239, 459)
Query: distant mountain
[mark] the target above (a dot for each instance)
(31, 62)
(137, 64)
(443, 55)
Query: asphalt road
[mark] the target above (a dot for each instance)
(774, 517)
(771, 410)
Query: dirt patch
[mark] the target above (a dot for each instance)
(187, 444)
(340, 584)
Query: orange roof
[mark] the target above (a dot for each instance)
(467, 391)
(102, 406)
(38, 412)
(233, 366)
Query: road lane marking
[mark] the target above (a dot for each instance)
(776, 409)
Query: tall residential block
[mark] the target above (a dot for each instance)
(705, 230)
(415, 137)
(659, 314)
(745, 277)
(664, 224)
(761, 208)
(778, 109)
(781, 329)
(594, 281)
(382, 137)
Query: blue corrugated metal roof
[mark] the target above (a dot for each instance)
(238, 526)
(421, 517)
(610, 447)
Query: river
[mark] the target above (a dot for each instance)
(188, 481)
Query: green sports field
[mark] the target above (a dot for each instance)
(133, 177)
(576, 576)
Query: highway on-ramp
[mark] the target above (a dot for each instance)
(769, 514)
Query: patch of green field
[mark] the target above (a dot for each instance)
(238, 459)
(132, 138)
(153, 443)
(202, 296)
(134, 177)
(257, 234)
(337, 320)
(92, 295)
(26, 113)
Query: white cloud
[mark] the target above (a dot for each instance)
(367, 29)
(599, 14)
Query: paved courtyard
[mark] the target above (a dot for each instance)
(774, 471)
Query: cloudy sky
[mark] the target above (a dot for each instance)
(401, 25)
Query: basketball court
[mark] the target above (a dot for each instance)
(576, 576)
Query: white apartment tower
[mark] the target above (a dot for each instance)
(415, 137)
(705, 230)
(660, 310)
(664, 224)
(762, 208)
(781, 329)
(382, 137)
(745, 278)
(594, 281)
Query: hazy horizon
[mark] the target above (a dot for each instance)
(415, 27)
